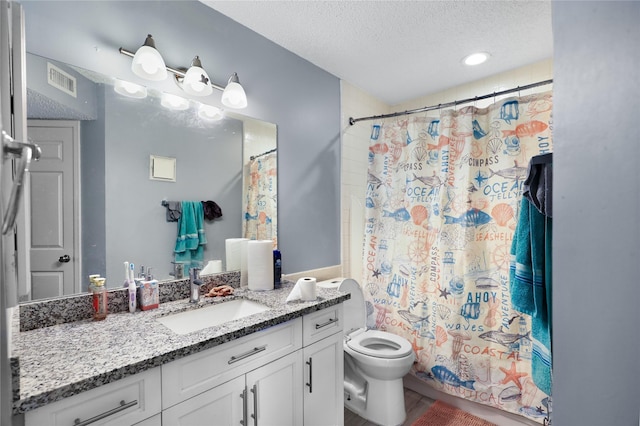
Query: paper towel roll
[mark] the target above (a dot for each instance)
(233, 251)
(244, 272)
(308, 291)
(260, 264)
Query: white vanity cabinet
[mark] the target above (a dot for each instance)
(324, 372)
(124, 402)
(287, 374)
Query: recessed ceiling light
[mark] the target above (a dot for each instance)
(476, 58)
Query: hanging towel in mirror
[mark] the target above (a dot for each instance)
(191, 239)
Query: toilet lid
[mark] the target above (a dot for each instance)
(354, 309)
(380, 344)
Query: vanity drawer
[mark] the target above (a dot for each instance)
(194, 374)
(103, 405)
(320, 324)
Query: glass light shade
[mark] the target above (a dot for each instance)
(209, 112)
(131, 90)
(234, 96)
(147, 63)
(196, 82)
(174, 102)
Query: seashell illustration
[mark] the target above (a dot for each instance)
(502, 213)
(441, 336)
(420, 153)
(419, 214)
(479, 203)
(372, 288)
(494, 145)
(443, 311)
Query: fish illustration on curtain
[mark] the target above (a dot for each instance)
(260, 204)
(442, 202)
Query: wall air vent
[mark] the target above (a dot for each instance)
(61, 80)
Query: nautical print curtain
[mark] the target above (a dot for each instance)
(261, 196)
(441, 208)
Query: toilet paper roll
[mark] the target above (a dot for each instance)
(305, 290)
(212, 267)
(244, 272)
(331, 284)
(233, 252)
(260, 264)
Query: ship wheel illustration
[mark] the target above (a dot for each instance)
(419, 249)
(500, 256)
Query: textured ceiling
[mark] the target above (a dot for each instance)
(401, 50)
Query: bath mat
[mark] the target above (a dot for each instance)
(441, 414)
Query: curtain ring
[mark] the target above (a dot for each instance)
(494, 97)
(519, 92)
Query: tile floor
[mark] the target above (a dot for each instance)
(414, 403)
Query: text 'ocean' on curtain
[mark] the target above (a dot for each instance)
(441, 208)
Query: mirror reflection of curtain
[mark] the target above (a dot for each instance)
(441, 210)
(261, 198)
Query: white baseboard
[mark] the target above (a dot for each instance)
(493, 415)
(321, 274)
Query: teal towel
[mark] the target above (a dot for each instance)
(530, 285)
(191, 239)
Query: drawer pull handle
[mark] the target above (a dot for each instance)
(254, 391)
(243, 395)
(247, 354)
(123, 406)
(324, 324)
(310, 384)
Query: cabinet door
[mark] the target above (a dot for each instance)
(324, 382)
(275, 392)
(222, 405)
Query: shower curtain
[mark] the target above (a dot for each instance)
(442, 203)
(261, 198)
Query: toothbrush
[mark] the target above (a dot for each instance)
(132, 288)
(126, 274)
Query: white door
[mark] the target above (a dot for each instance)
(220, 406)
(54, 213)
(275, 392)
(324, 382)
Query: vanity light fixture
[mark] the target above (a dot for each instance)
(475, 58)
(233, 95)
(147, 62)
(194, 81)
(131, 90)
(209, 112)
(174, 102)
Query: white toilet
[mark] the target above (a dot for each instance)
(374, 364)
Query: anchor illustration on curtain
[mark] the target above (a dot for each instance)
(442, 203)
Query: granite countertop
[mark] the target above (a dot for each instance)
(63, 360)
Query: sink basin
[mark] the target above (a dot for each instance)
(200, 318)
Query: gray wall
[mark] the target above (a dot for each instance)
(302, 99)
(596, 241)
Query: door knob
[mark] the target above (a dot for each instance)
(64, 259)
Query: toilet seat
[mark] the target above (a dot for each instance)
(379, 344)
(372, 343)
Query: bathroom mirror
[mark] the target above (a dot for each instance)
(128, 156)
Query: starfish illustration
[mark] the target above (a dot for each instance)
(376, 273)
(512, 375)
(444, 293)
(416, 348)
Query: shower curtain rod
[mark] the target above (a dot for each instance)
(353, 121)
(253, 157)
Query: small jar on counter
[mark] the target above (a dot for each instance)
(98, 288)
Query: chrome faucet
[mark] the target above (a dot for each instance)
(195, 282)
